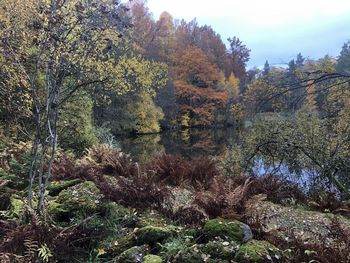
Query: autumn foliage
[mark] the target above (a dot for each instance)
(195, 88)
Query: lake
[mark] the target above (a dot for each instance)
(192, 143)
(189, 143)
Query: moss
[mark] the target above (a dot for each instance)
(116, 247)
(14, 182)
(195, 233)
(153, 218)
(132, 255)
(181, 249)
(77, 202)
(257, 251)
(56, 187)
(226, 229)
(55, 208)
(220, 250)
(118, 214)
(152, 259)
(16, 207)
(5, 197)
(152, 234)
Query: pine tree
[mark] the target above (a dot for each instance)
(266, 69)
(344, 59)
(299, 63)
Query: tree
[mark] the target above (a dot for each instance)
(15, 98)
(144, 27)
(310, 100)
(75, 123)
(299, 63)
(232, 86)
(266, 69)
(199, 105)
(205, 38)
(163, 44)
(343, 65)
(136, 75)
(239, 55)
(146, 114)
(52, 43)
(194, 68)
(265, 95)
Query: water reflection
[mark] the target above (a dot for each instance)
(192, 143)
(189, 143)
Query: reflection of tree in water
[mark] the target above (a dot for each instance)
(141, 148)
(189, 143)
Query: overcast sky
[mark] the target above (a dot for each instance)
(275, 30)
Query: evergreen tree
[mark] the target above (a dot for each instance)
(299, 63)
(266, 69)
(344, 59)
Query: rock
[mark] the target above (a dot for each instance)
(227, 229)
(151, 235)
(5, 197)
(133, 255)
(13, 181)
(181, 204)
(179, 198)
(152, 259)
(191, 215)
(247, 232)
(152, 218)
(57, 186)
(278, 221)
(256, 251)
(78, 201)
(118, 214)
(220, 250)
(16, 206)
(116, 247)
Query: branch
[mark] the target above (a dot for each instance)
(78, 87)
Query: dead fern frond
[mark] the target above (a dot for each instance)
(31, 249)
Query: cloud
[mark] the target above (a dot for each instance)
(285, 26)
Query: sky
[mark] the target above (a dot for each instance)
(274, 30)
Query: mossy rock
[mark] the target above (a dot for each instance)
(118, 214)
(133, 255)
(226, 229)
(220, 250)
(256, 251)
(119, 245)
(152, 259)
(16, 206)
(180, 249)
(13, 181)
(5, 197)
(152, 234)
(153, 218)
(195, 233)
(76, 203)
(58, 186)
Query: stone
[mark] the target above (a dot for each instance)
(58, 186)
(151, 235)
(133, 255)
(220, 250)
(256, 251)
(232, 230)
(152, 259)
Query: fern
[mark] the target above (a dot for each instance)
(32, 248)
(10, 257)
(44, 253)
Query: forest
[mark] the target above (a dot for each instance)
(79, 78)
